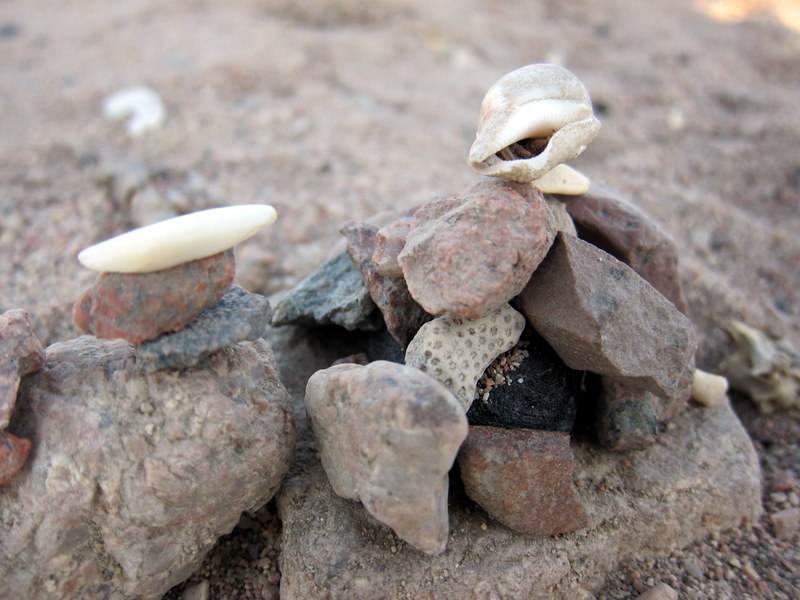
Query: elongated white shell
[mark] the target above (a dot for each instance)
(179, 240)
(542, 101)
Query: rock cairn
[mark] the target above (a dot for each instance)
(505, 298)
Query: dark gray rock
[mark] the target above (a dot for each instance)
(334, 294)
(238, 316)
(627, 418)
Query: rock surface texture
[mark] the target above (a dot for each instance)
(141, 306)
(388, 436)
(13, 454)
(334, 294)
(523, 479)
(237, 317)
(507, 233)
(21, 353)
(134, 476)
(456, 351)
(600, 316)
(704, 477)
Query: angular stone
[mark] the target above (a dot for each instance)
(456, 351)
(401, 313)
(388, 436)
(21, 353)
(238, 316)
(617, 226)
(13, 455)
(523, 479)
(533, 389)
(600, 316)
(472, 259)
(389, 242)
(702, 478)
(334, 294)
(627, 418)
(786, 523)
(561, 219)
(141, 306)
(135, 476)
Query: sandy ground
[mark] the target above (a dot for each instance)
(332, 110)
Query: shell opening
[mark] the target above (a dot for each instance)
(523, 149)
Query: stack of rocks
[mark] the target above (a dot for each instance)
(503, 299)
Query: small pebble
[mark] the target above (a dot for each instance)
(197, 591)
(786, 523)
(660, 592)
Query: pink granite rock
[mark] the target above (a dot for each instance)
(604, 218)
(388, 436)
(13, 454)
(523, 479)
(141, 306)
(135, 475)
(475, 257)
(600, 316)
(21, 353)
(401, 313)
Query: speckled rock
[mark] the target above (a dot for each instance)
(334, 294)
(600, 316)
(134, 476)
(141, 306)
(474, 258)
(238, 316)
(14, 452)
(604, 218)
(456, 351)
(21, 353)
(523, 479)
(388, 436)
(627, 418)
(401, 313)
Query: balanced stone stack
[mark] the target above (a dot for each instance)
(503, 299)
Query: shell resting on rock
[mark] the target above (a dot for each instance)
(532, 120)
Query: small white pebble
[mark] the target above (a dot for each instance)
(709, 389)
(142, 104)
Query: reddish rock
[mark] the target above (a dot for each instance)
(523, 479)
(20, 353)
(600, 316)
(389, 242)
(615, 225)
(14, 453)
(470, 260)
(141, 306)
(401, 313)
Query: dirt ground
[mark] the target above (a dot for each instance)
(337, 109)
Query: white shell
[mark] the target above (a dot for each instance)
(563, 179)
(540, 101)
(177, 240)
(142, 104)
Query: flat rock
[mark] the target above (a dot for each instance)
(703, 477)
(604, 218)
(401, 313)
(523, 479)
(134, 476)
(456, 351)
(600, 316)
(141, 306)
(334, 294)
(13, 455)
(388, 436)
(21, 353)
(527, 387)
(238, 316)
(475, 257)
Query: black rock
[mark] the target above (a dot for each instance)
(381, 345)
(540, 393)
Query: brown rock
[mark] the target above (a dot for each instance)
(388, 436)
(522, 478)
(786, 523)
(600, 316)
(617, 226)
(401, 313)
(475, 257)
(389, 242)
(141, 306)
(21, 353)
(135, 475)
(13, 455)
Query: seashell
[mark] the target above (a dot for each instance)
(563, 179)
(141, 104)
(532, 120)
(709, 389)
(178, 240)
